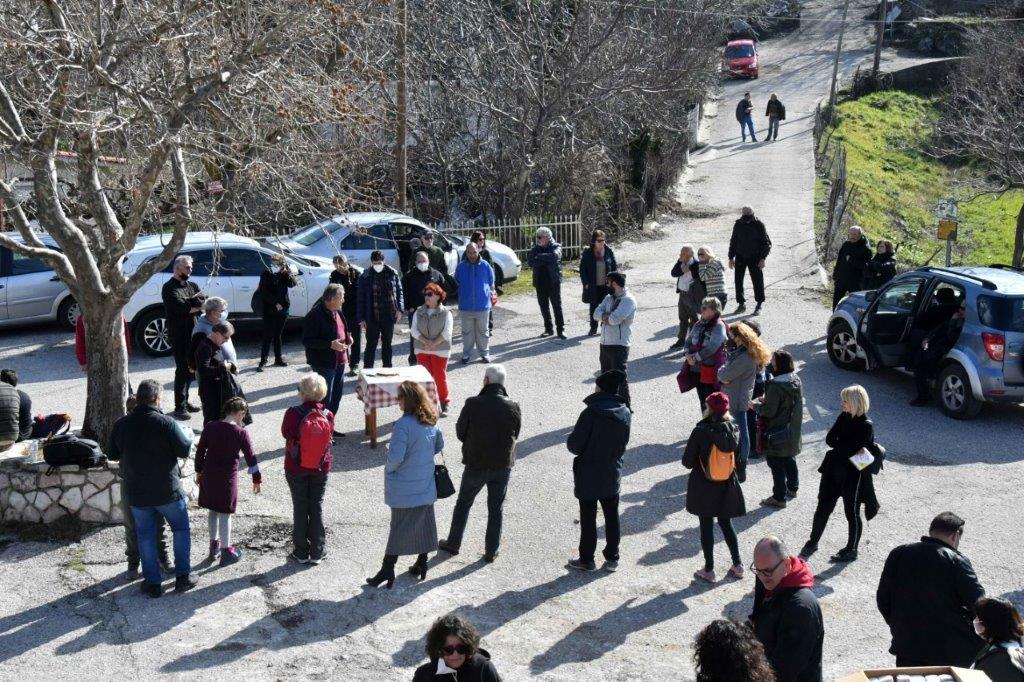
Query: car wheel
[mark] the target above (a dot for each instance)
(152, 335)
(68, 313)
(956, 398)
(842, 347)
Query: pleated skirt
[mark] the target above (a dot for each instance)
(413, 531)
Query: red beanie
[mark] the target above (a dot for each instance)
(718, 402)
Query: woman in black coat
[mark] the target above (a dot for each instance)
(840, 478)
(273, 295)
(596, 262)
(453, 645)
(882, 267)
(707, 499)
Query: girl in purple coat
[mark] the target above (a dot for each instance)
(220, 445)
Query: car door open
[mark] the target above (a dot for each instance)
(887, 324)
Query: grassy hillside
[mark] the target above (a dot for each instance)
(898, 185)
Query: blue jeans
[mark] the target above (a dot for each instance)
(746, 123)
(743, 454)
(145, 528)
(473, 481)
(335, 378)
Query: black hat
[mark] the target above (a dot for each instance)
(610, 381)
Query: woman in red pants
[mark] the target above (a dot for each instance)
(432, 339)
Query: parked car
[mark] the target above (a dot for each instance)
(358, 234)
(871, 329)
(740, 59)
(30, 290)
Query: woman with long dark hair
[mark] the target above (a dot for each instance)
(725, 651)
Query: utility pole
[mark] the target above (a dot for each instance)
(835, 65)
(402, 113)
(883, 10)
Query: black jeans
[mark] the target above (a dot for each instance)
(703, 391)
(829, 493)
(551, 293)
(615, 357)
(588, 528)
(707, 540)
(383, 331)
(353, 328)
(785, 476)
(596, 296)
(473, 481)
(756, 278)
(308, 533)
(273, 331)
(412, 343)
(182, 374)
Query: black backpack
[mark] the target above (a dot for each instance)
(70, 450)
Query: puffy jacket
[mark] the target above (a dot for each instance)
(705, 497)
(926, 594)
(599, 441)
(851, 262)
(546, 262)
(488, 427)
(749, 239)
(783, 403)
(477, 669)
(588, 269)
(10, 406)
(149, 444)
(409, 468)
(618, 330)
(475, 282)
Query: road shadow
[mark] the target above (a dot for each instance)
(543, 441)
(664, 498)
(685, 543)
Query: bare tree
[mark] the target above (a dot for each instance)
(248, 92)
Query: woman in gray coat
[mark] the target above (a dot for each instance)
(705, 347)
(748, 357)
(782, 410)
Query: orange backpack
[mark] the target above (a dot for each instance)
(720, 465)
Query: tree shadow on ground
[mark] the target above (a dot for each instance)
(685, 543)
(664, 498)
(651, 455)
(542, 441)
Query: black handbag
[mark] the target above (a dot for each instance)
(443, 481)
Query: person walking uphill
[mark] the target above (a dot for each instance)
(182, 302)
(749, 247)
(327, 340)
(488, 427)
(275, 304)
(598, 442)
(475, 279)
(712, 488)
(782, 411)
(596, 262)
(691, 292)
(776, 112)
(926, 595)
(545, 258)
(851, 264)
(745, 116)
(148, 444)
(616, 314)
(379, 307)
(786, 617)
(409, 487)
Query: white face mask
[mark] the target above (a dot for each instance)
(979, 629)
(422, 267)
(378, 267)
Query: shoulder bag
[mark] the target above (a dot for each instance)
(443, 480)
(781, 434)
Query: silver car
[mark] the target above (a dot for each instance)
(30, 290)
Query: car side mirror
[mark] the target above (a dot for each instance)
(871, 295)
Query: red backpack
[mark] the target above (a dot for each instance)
(315, 438)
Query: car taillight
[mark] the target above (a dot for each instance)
(995, 344)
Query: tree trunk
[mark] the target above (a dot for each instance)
(1018, 242)
(107, 365)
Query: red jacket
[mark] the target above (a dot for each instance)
(290, 431)
(80, 339)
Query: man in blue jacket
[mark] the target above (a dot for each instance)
(475, 278)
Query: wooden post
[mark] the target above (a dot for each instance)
(401, 115)
(883, 10)
(835, 64)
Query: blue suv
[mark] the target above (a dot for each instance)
(871, 329)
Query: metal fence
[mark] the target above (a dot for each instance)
(518, 235)
(831, 163)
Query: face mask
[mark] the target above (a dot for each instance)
(423, 267)
(979, 629)
(378, 267)
(223, 315)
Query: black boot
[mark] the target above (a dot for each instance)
(263, 363)
(386, 572)
(420, 567)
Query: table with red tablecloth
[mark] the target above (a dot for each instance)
(378, 388)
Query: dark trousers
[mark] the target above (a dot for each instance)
(353, 328)
(829, 492)
(551, 294)
(703, 391)
(273, 331)
(473, 481)
(756, 278)
(588, 528)
(785, 476)
(687, 314)
(182, 374)
(412, 344)
(840, 289)
(925, 368)
(335, 378)
(131, 539)
(707, 540)
(210, 399)
(308, 534)
(382, 331)
(773, 128)
(615, 357)
(596, 296)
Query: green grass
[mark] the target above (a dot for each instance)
(524, 283)
(899, 185)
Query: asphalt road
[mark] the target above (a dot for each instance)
(67, 613)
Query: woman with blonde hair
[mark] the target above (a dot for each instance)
(748, 356)
(852, 434)
(712, 274)
(409, 487)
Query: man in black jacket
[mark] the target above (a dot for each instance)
(776, 112)
(926, 594)
(488, 427)
(149, 444)
(10, 377)
(413, 282)
(327, 340)
(786, 618)
(853, 258)
(347, 275)
(933, 348)
(749, 247)
(182, 302)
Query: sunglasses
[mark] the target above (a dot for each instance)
(427, 294)
(463, 649)
(765, 572)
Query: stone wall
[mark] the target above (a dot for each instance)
(30, 494)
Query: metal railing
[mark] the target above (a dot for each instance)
(518, 235)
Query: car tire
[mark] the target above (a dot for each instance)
(152, 335)
(68, 313)
(842, 348)
(956, 399)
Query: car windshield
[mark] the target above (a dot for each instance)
(1005, 314)
(738, 51)
(315, 232)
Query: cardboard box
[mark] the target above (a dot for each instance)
(959, 674)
